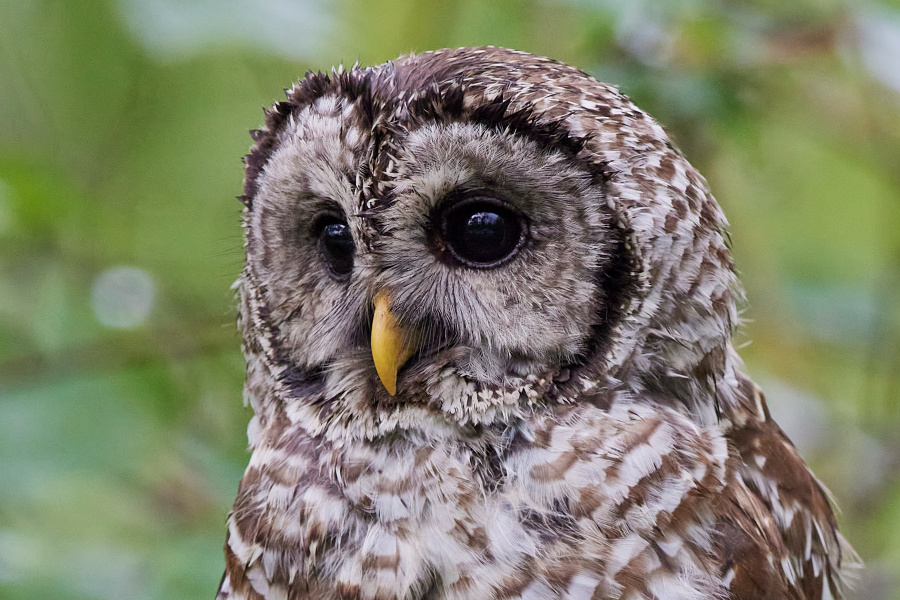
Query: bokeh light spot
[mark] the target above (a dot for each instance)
(122, 297)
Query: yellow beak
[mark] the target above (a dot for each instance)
(392, 344)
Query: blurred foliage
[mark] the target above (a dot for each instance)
(122, 124)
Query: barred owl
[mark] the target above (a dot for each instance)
(487, 313)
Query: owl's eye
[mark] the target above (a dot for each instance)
(483, 232)
(335, 243)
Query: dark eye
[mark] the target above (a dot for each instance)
(335, 243)
(483, 232)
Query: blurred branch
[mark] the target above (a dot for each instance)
(122, 351)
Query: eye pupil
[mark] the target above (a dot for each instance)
(336, 243)
(481, 233)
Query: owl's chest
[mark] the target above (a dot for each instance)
(421, 524)
(566, 513)
(431, 522)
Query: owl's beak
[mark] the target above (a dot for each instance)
(392, 344)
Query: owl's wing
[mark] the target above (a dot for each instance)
(751, 549)
(818, 558)
(224, 591)
(233, 568)
(243, 580)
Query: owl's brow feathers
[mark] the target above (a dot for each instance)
(441, 100)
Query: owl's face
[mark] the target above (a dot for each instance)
(457, 248)
(488, 250)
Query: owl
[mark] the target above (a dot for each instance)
(487, 314)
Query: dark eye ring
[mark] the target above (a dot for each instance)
(482, 232)
(335, 243)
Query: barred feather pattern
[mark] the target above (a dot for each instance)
(583, 430)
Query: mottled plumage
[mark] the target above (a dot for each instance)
(573, 421)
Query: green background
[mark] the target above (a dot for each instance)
(122, 126)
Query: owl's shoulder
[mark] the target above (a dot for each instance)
(817, 559)
(670, 496)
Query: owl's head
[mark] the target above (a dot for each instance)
(465, 236)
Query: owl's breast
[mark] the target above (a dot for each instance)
(575, 503)
(420, 521)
